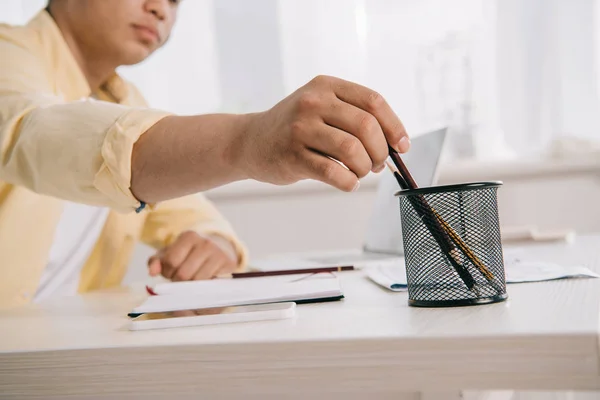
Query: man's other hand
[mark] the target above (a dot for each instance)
(193, 257)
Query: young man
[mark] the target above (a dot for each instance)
(81, 155)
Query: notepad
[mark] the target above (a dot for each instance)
(215, 293)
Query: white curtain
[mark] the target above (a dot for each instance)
(508, 76)
(547, 70)
(431, 59)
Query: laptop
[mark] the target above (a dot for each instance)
(383, 236)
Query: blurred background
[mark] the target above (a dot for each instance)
(516, 81)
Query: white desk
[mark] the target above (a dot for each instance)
(545, 337)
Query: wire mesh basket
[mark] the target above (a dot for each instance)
(452, 245)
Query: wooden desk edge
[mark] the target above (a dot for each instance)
(388, 365)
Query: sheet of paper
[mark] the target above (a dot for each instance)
(393, 276)
(541, 271)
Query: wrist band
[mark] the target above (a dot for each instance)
(141, 207)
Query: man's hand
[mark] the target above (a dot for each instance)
(327, 119)
(191, 257)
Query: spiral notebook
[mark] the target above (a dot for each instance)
(176, 296)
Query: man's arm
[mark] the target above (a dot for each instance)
(179, 156)
(106, 154)
(328, 119)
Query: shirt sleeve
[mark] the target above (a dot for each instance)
(78, 151)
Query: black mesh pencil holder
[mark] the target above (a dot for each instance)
(452, 245)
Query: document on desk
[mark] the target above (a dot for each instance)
(192, 295)
(393, 276)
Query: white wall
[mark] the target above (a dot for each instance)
(322, 38)
(18, 11)
(250, 62)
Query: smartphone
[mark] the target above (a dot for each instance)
(212, 316)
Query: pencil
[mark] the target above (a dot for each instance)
(256, 274)
(464, 248)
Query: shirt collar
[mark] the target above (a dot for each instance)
(70, 80)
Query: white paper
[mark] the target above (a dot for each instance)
(389, 275)
(541, 271)
(393, 276)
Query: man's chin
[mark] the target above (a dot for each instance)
(135, 53)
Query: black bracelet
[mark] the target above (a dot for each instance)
(141, 207)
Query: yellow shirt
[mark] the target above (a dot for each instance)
(56, 144)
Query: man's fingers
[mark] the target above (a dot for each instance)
(363, 126)
(154, 266)
(176, 254)
(210, 267)
(190, 257)
(192, 264)
(324, 169)
(342, 146)
(373, 103)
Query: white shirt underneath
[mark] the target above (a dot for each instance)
(74, 239)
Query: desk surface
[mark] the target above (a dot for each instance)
(546, 337)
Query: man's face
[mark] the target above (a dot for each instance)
(126, 31)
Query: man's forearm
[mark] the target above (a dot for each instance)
(329, 130)
(179, 156)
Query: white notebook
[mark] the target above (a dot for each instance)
(175, 296)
